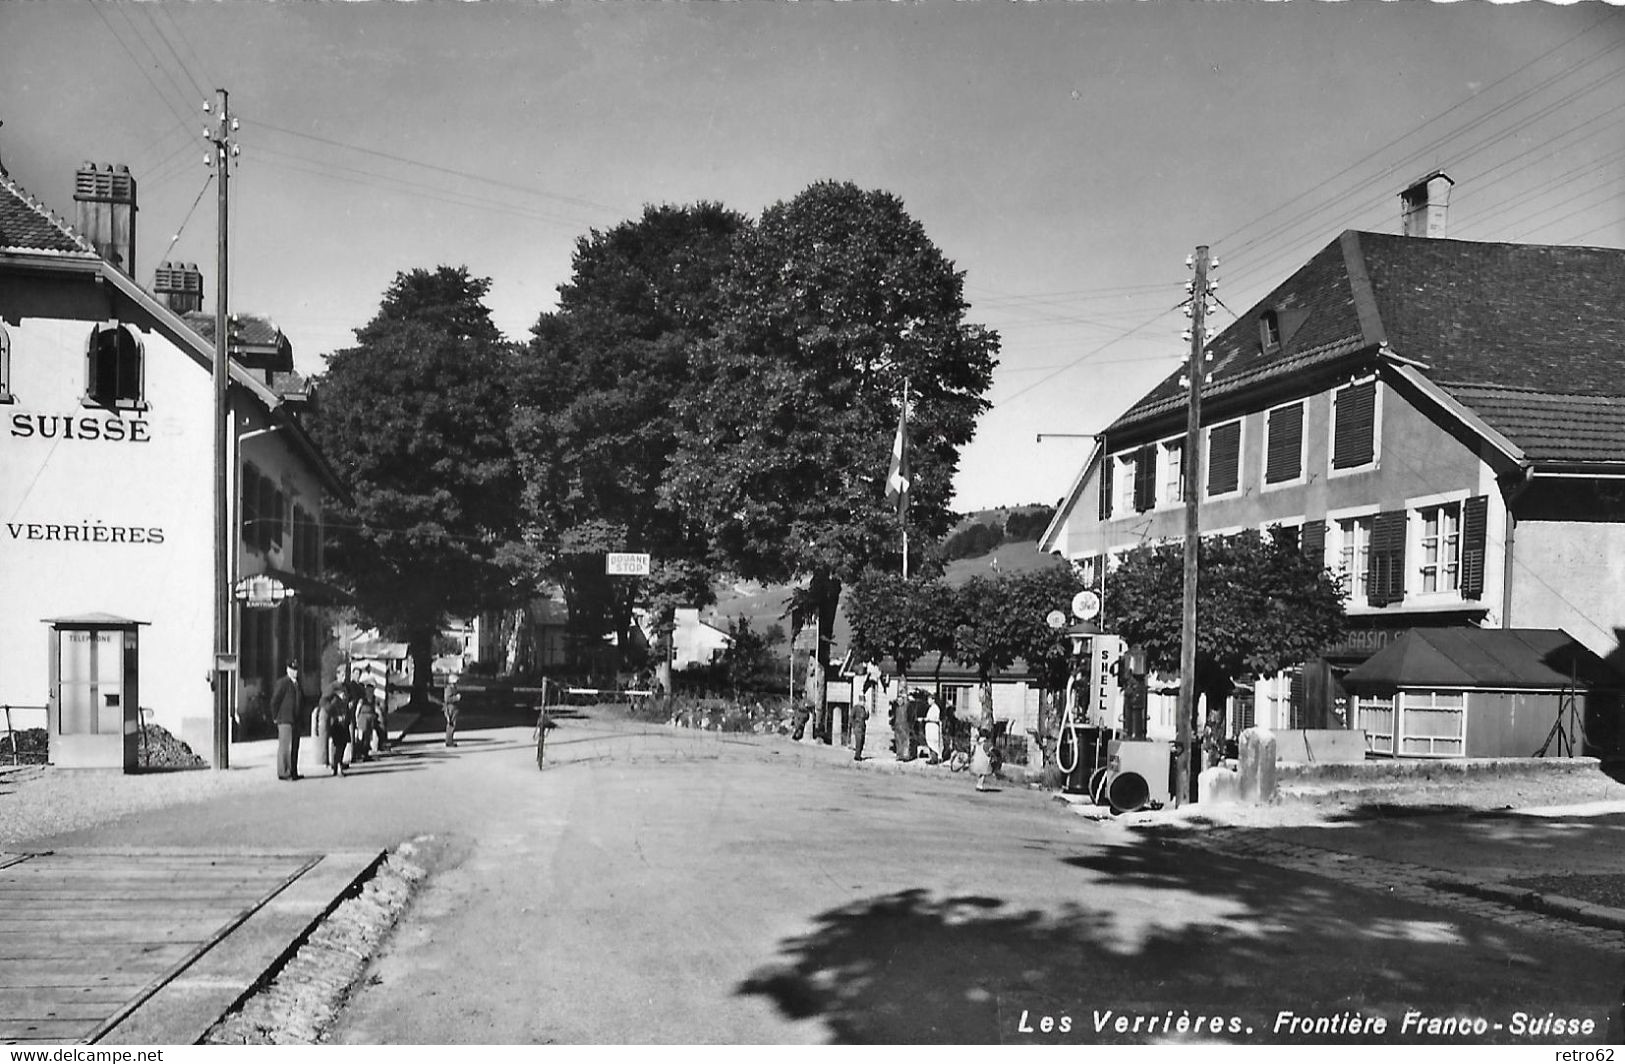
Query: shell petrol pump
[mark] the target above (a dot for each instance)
(1093, 701)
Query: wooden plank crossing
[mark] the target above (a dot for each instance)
(86, 937)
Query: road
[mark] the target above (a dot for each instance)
(663, 886)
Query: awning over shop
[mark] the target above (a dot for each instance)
(1483, 658)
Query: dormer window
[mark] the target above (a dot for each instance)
(114, 367)
(1269, 330)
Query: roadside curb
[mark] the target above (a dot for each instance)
(1558, 905)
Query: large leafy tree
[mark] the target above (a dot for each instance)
(415, 418)
(596, 426)
(1005, 619)
(836, 298)
(901, 619)
(1262, 606)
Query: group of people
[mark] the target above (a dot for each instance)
(347, 718)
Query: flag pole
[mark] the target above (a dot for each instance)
(902, 512)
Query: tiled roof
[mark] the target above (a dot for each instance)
(258, 342)
(1552, 427)
(1531, 316)
(26, 225)
(1530, 337)
(1316, 309)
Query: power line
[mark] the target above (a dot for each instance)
(179, 62)
(573, 200)
(181, 118)
(326, 170)
(207, 181)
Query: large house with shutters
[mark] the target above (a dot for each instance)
(1441, 421)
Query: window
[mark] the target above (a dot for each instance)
(114, 367)
(1123, 497)
(1173, 472)
(1224, 458)
(1107, 465)
(1354, 425)
(1474, 533)
(1376, 719)
(264, 511)
(1269, 331)
(1385, 575)
(1432, 723)
(1145, 479)
(5, 365)
(1283, 448)
(1354, 555)
(250, 491)
(1439, 548)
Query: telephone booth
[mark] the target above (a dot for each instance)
(94, 709)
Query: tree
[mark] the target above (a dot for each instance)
(900, 619)
(596, 429)
(415, 419)
(1262, 606)
(836, 297)
(1006, 618)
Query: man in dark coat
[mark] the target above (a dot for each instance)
(285, 709)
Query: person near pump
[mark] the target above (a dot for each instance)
(366, 724)
(981, 758)
(285, 713)
(933, 729)
(335, 711)
(448, 706)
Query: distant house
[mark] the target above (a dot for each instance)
(694, 642)
(1442, 422)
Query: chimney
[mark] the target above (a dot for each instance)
(179, 286)
(1426, 206)
(106, 200)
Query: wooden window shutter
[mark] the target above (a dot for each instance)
(1107, 463)
(1285, 459)
(1297, 698)
(1145, 478)
(1474, 528)
(1385, 577)
(1224, 458)
(1312, 541)
(1354, 429)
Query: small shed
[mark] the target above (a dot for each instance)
(1484, 692)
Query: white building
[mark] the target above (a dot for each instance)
(107, 488)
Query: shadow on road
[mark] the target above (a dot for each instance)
(1146, 930)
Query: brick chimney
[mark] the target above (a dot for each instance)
(179, 286)
(1426, 206)
(106, 200)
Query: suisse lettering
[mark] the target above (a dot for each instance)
(54, 426)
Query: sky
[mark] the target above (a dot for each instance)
(1067, 156)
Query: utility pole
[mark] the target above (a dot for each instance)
(224, 665)
(1193, 471)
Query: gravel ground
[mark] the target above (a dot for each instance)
(37, 801)
(300, 1000)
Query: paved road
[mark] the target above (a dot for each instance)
(667, 886)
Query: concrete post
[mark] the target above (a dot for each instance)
(1257, 765)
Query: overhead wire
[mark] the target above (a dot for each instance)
(452, 171)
